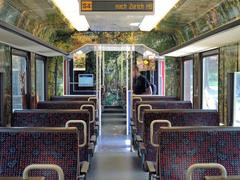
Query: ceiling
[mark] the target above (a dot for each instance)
(211, 42)
(140, 48)
(20, 39)
(113, 21)
(42, 19)
(185, 12)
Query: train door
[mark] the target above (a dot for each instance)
(114, 79)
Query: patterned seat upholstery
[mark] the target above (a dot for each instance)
(149, 98)
(20, 147)
(69, 105)
(50, 118)
(158, 105)
(153, 98)
(74, 98)
(182, 147)
(177, 117)
(63, 104)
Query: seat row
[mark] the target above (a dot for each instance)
(60, 132)
(149, 114)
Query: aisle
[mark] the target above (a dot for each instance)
(114, 159)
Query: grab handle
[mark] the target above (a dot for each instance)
(139, 113)
(92, 99)
(152, 127)
(93, 110)
(43, 166)
(206, 166)
(84, 130)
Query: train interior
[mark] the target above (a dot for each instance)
(119, 89)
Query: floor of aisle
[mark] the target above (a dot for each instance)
(113, 159)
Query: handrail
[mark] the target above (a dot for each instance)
(84, 130)
(93, 110)
(152, 126)
(139, 98)
(93, 98)
(43, 166)
(206, 166)
(139, 113)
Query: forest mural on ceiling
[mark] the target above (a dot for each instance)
(187, 20)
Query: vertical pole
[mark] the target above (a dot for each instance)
(127, 93)
(159, 77)
(100, 88)
(103, 68)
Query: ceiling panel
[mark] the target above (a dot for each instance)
(217, 40)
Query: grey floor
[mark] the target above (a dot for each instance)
(113, 159)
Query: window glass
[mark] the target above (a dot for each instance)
(40, 79)
(188, 80)
(19, 84)
(210, 82)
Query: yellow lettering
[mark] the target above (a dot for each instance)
(87, 6)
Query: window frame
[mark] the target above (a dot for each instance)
(214, 52)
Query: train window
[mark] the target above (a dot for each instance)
(210, 82)
(188, 80)
(40, 85)
(19, 84)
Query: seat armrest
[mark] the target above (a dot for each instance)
(134, 129)
(150, 167)
(139, 139)
(142, 148)
(91, 149)
(84, 167)
(132, 123)
(96, 130)
(93, 139)
(97, 123)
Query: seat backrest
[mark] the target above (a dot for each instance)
(177, 117)
(153, 98)
(141, 106)
(71, 98)
(53, 118)
(136, 99)
(71, 105)
(21, 147)
(75, 98)
(63, 104)
(182, 147)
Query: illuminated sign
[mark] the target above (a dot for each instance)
(116, 6)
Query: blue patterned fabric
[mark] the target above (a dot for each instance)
(22, 147)
(187, 117)
(53, 118)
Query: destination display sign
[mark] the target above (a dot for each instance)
(116, 6)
